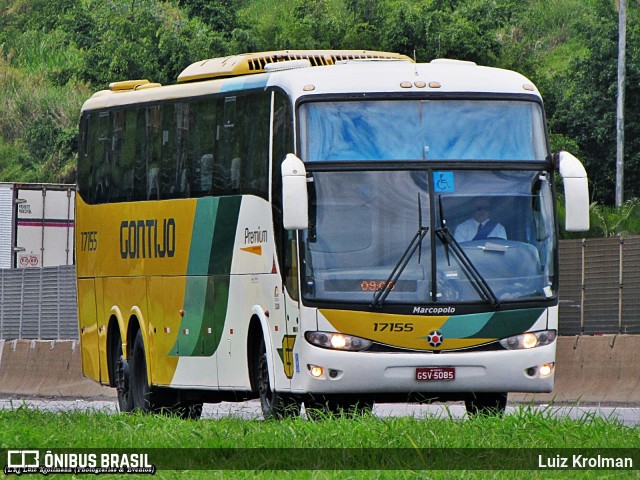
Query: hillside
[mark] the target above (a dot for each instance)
(54, 54)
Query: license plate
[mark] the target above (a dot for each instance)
(435, 374)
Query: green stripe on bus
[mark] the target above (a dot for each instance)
(196, 292)
(209, 269)
(216, 308)
(224, 236)
(511, 322)
(465, 326)
(491, 325)
(202, 236)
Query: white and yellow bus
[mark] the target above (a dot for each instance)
(331, 228)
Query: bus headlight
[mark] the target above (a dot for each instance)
(337, 341)
(529, 340)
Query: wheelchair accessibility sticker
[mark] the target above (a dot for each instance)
(443, 182)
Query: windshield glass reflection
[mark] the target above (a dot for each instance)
(422, 130)
(363, 221)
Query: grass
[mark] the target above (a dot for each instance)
(524, 429)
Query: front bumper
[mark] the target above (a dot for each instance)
(376, 373)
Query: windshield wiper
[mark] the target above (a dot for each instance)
(475, 277)
(381, 294)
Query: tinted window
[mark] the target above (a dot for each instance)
(208, 146)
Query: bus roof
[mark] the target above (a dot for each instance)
(369, 74)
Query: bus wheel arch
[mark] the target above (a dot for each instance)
(275, 405)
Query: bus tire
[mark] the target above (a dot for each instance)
(138, 381)
(274, 405)
(120, 370)
(482, 403)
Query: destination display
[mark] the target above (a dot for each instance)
(368, 285)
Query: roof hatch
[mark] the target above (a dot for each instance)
(249, 63)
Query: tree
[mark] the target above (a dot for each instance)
(586, 103)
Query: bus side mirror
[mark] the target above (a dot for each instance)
(295, 212)
(576, 192)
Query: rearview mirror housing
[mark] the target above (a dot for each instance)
(295, 211)
(576, 192)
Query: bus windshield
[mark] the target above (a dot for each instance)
(362, 222)
(422, 130)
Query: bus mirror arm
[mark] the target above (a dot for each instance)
(576, 192)
(295, 205)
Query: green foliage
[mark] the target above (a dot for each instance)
(585, 102)
(525, 428)
(612, 221)
(148, 39)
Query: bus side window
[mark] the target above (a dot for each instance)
(200, 143)
(254, 169)
(181, 171)
(85, 160)
(127, 157)
(154, 151)
(230, 135)
(141, 149)
(206, 172)
(168, 150)
(100, 131)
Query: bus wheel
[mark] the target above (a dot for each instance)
(274, 405)
(486, 403)
(139, 385)
(125, 402)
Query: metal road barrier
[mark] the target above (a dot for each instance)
(38, 303)
(600, 286)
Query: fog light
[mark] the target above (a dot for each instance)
(546, 369)
(316, 371)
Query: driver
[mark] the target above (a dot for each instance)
(480, 226)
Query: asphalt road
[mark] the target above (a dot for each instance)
(629, 415)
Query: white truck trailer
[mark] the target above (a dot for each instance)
(36, 224)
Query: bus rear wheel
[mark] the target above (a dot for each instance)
(120, 369)
(138, 380)
(483, 403)
(125, 401)
(274, 405)
(148, 399)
